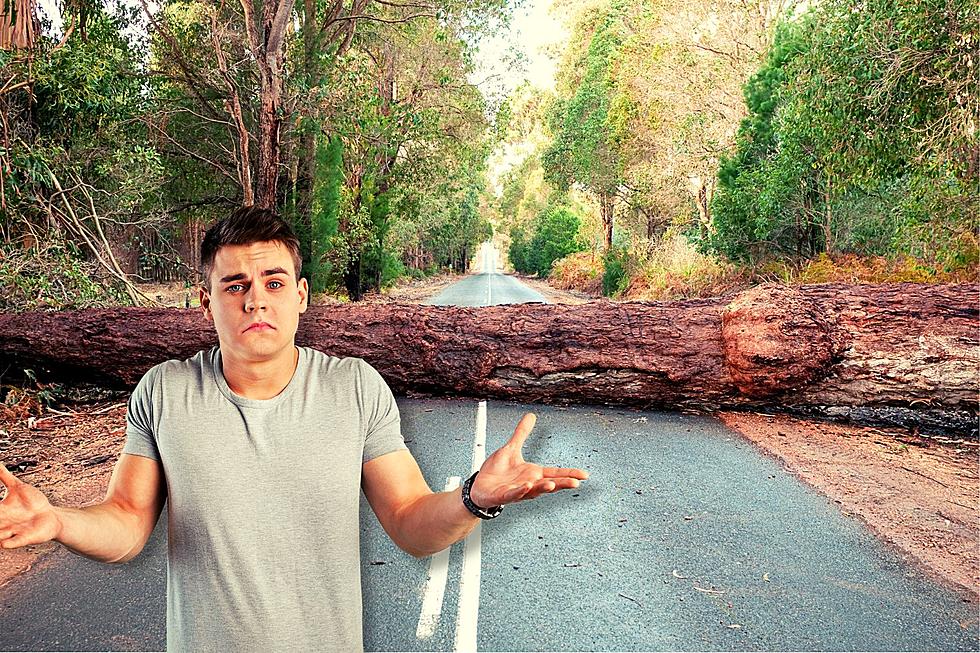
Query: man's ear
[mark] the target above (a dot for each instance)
(304, 295)
(205, 298)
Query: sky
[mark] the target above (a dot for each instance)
(532, 31)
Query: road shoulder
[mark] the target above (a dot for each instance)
(917, 495)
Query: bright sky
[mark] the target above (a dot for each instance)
(519, 52)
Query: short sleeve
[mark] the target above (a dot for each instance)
(140, 438)
(384, 430)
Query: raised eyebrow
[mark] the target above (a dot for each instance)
(241, 276)
(233, 277)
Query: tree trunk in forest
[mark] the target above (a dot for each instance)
(18, 24)
(266, 37)
(233, 107)
(607, 207)
(306, 165)
(900, 347)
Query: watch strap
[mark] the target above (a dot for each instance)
(482, 513)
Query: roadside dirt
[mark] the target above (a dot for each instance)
(67, 456)
(917, 495)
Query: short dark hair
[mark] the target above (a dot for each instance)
(247, 225)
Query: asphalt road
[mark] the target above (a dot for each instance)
(488, 287)
(684, 538)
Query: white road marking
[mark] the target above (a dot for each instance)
(435, 585)
(469, 582)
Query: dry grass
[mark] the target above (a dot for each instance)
(581, 271)
(678, 271)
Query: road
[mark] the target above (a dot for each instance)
(684, 538)
(488, 287)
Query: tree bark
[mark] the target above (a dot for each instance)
(904, 346)
(607, 208)
(266, 36)
(18, 24)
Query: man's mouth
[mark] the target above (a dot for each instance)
(259, 326)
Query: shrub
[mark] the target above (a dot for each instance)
(614, 267)
(55, 277)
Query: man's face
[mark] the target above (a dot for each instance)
(255, 300)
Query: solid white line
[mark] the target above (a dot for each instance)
(469, 582)
(435, 585)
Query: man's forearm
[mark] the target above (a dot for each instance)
(433, 522)
(103, 532)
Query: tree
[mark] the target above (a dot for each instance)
(76, 162)
(18, 24)
(585, 134)
(554, 236)
(859, 139)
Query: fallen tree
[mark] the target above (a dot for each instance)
(903, 349)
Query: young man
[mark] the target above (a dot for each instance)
(260, 449)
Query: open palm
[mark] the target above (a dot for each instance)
(26, 515)
(506, 477)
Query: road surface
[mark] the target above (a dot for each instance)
(684, 538)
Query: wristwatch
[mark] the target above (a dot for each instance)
(482, 513)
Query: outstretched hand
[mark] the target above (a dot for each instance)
(506, 477)
(26, 515)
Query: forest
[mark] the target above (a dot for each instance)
(686, 148)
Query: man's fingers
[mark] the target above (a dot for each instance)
(16, 541)
(522, 431)
(543, 486)
(564, 472)
(6, 477)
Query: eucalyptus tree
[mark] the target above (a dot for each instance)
(586, 131)
(76, 171)
(861, 138)
(414, 132)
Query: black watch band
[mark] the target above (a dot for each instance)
(482, 513)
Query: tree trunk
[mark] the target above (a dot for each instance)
(18, 24)
(306, 165)
(833, 347)
(266, 37)
(270, 124)
(607, 206)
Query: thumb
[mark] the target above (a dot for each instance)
(6, 478)
(522, 431)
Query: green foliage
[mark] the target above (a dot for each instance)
(555, 236)
(54, 278)
(859, 139)
(615, 266)
(588, 126)
(327, 184)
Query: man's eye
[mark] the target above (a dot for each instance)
(235, 287)
(277, 284)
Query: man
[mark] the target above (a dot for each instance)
(260, 449)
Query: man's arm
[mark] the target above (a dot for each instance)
(422, 522)
(112, 531)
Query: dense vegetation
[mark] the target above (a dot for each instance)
(687, 147)
(122, 139)
(714, 144)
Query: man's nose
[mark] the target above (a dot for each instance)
(255, 299)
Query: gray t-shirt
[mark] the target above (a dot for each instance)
(263, 499)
